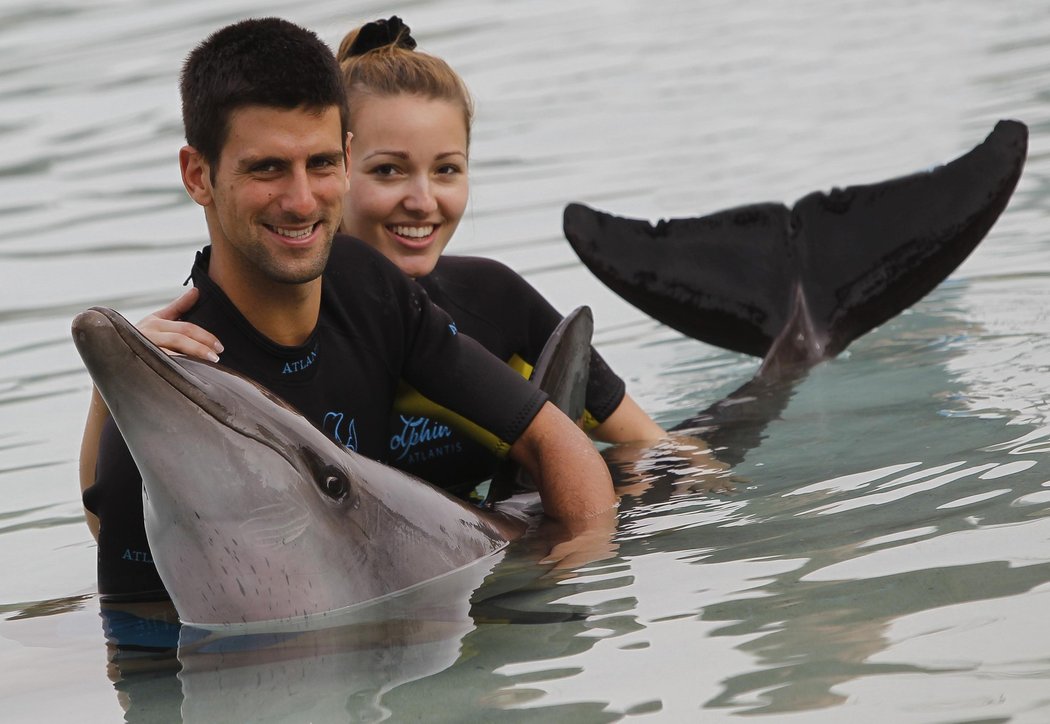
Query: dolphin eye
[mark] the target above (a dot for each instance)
(333, 483)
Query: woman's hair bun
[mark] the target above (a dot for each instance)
(379, 34)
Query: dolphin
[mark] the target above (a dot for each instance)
(796, 286)
(253, 515)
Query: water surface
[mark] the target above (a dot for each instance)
(885, 555)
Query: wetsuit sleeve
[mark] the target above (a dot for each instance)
(456, 372)
(125, 565)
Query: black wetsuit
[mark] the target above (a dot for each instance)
(376, 328)
(494, 305)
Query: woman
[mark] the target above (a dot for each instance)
(410, 115)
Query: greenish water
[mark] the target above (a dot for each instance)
(885, 555)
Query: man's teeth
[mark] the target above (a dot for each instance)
(294, 233)
(414, 232)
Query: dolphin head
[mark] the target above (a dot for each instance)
(252, 513)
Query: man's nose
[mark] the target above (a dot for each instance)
(299, 197)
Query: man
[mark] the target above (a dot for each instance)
(324, 321)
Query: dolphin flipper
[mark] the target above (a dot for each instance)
(830, 269)
(563, 365)
(561, 370)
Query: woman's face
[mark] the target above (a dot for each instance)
(408, 178)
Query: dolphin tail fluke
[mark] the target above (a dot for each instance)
(561, 370)
(795, 286)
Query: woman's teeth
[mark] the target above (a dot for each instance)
(413, 232)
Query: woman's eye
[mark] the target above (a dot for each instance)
(385, 169)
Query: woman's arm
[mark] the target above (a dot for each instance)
(164, 329)
(96, 418)
(628, 423)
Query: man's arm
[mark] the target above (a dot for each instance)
(573, 480)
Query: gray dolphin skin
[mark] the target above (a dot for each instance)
(562, 370)
(796, 285)
(254, 515)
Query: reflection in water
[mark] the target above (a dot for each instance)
(837, 627)
(50, 607)
(869, 548)
(339, 672)
(141, 642)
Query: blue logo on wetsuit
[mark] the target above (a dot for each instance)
(137, 556)
(345, 435)
(422, 431)
(290, 368)
(452, 326)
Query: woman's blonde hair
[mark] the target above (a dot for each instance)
(379, 59)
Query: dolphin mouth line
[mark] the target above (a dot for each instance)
(336, 616)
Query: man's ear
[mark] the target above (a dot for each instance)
(196, 175)
(349, 137)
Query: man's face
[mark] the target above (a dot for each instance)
(276, 198)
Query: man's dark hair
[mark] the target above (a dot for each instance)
(259, 62)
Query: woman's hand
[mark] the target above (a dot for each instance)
(164, 329)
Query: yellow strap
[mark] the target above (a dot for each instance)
(409, 401)
(588, 422)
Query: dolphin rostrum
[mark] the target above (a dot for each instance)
(796, 286)
(252, 513)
